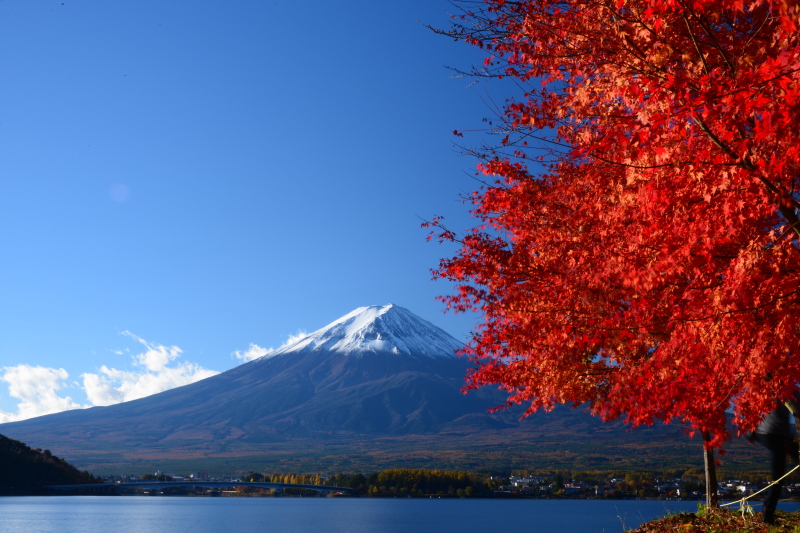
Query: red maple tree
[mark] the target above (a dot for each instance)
(636, 245)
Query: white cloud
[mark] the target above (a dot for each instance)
(254, 351)
(151, 375)
(35, 387)
(99, 390)
(154, 370)
(157, 356)
(300, 335)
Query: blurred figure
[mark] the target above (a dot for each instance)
(776, 435)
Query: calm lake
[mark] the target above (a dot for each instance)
(174, 514)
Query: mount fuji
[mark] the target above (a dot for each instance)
(388, 329)
(378, 388)
(378, 371)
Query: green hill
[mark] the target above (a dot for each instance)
(24, 470)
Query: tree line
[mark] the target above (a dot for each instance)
(418, 483)
(394, 482)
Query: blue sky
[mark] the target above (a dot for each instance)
(182, 181)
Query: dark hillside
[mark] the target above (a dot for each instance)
(24, 470)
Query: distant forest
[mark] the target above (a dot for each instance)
(396, 482)
(25, 470)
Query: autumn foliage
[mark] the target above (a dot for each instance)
(636, 244)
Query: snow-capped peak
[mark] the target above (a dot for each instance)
(378, 329)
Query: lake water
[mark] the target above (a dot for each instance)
(174, 514)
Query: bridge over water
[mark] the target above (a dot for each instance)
(116, 488)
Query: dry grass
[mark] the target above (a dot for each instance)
(722, 521)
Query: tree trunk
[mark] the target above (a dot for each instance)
(711, 473)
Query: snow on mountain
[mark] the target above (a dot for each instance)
(378, 329)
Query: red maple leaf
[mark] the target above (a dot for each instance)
(650, 269)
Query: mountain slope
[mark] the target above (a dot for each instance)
(379, 385)
(378, 370)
